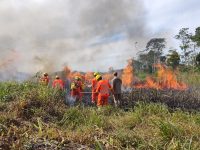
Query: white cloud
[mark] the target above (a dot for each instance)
(171, 15)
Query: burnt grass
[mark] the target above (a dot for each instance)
(37, 117)
(188, 100)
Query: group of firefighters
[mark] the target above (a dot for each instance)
(101, 88)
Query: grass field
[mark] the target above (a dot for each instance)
(35, 117)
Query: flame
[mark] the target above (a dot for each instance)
(70, 75)
(127, 75)
(167, 79)
(88, 77)
(85, 77)
(107, 76)
(67, 71)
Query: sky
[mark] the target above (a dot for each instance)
(172, 14)
(46, 35)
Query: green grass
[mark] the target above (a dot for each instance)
(191, 78)
(29, 112)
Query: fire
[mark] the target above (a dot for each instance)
(127, 75)
(70, 75)
(108, 76)
(85, 77)
(166, 79)
(67, 71)
(88, 77)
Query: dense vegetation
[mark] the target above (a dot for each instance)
(35, 117)
(185, 57)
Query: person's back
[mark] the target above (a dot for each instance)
(94, 84)
(117, 84)
(76, 89)
(58, 83)
(45, 79)
(103, 89)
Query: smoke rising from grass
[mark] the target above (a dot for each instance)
(87, 35)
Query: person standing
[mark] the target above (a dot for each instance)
(45, 79)
(76, 90)
(103, 89)
(58, 83)
(116, 86)
(94, 87)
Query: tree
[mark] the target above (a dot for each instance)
(111, 70)
(163, 59)
(137, 65)
(196, 37)
(173, 59)
(157, 45)
(185, 37)
(198, 60)
(148, 60)
(143, 59)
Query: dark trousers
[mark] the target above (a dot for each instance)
(117, 99)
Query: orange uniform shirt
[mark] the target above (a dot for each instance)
(77, 91)
(44, 80)
(58, 83)
(94, 87)
(103, 88)
(94, 84)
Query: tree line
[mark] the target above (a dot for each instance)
(187, 57)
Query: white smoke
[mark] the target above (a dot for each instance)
(87, 35)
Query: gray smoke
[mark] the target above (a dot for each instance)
(87, 35)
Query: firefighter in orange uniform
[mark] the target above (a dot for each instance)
(94, 87)
(58, 83)
(76, 89)
(45, 79)
(103, 90)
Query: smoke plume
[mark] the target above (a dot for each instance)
(87, 35)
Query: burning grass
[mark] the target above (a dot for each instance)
(36, 118)
(166, 79)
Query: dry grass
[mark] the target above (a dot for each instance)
(36, 118)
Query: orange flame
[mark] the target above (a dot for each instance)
(127, 75)
(85, 77)
(88, 77)
(166, 79)
(67, 71)
(107, 76)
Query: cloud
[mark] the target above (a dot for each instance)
(172, 15)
